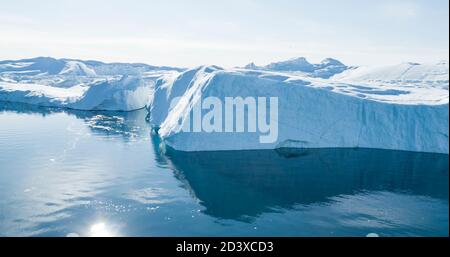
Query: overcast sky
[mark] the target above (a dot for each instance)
(227, 33)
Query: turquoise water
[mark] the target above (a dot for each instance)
(103, 173)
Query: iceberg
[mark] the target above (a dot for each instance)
(325, 69)
(52, 66)
(313, 112)
(125, 94)
(77, 69)
(76, 84)
(128, 93)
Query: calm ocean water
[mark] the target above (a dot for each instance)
(69, 173)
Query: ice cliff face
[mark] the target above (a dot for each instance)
(312, 113)
(127, 93)
(169, 88)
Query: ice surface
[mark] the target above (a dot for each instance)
(325, 69)
(128, 93)
(315, 113)
(52, 66)
(77, 69)
(402, 107)
(404, 73)
(125, 94)
(76, 84)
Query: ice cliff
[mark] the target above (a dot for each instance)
(401, 107)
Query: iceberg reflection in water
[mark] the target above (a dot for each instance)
(350, 187)
(249, 183)
(74, 170)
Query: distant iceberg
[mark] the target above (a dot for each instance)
(325, 69)
(124, 94)
(76, 84)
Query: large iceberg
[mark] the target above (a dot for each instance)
(400, 110)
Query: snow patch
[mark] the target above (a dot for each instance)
(77, 69)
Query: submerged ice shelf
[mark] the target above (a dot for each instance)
(401, 107)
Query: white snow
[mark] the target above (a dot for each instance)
(39, 94)
(405, 73)
(15, 65)
(325, 69)
(295, 64)
(77, 69)
(128, 93)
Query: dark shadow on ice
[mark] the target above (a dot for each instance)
(244, 184)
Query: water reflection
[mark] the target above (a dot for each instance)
(242, 184)
(101, 229)
(70, 167)
(104, 174)
(128, 125)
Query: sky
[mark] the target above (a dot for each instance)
(226, 33)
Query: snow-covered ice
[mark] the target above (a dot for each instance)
(401, 107)
(392, 112)
(325, 69)
(124, 94)
(77, 69)
(84, 85)
(404, 74)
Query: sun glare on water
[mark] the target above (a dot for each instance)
(100, 230)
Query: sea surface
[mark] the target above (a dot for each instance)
(77, 173)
